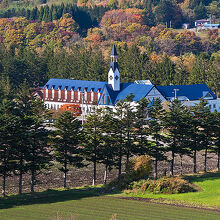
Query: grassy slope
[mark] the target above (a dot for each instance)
(210, 194)
(87, 204)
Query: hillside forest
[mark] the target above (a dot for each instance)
(40, 40)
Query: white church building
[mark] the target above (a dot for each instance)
(57, 92)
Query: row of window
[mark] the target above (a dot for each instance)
(79, 96)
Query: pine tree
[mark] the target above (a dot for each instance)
(38, 156)
(129, 122)
(108, 146)
(175, 123)
(24, 121)
(118, 129)
(92, 130)
(157, 150)
(206, 123)
(7, 129)
(66, 140)
(216, 137)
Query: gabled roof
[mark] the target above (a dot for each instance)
(192, 92)
(138, 90)
(114, 52)
(75, 85)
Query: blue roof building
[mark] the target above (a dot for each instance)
(66, 91)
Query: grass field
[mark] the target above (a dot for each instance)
(92, 203)
(87, 204)
(208, 195)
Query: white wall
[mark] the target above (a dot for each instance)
(86, 108)
(213, 104)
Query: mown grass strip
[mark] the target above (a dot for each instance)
(83, 204)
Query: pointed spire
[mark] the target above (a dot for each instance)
(114, 52)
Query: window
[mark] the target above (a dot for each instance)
(59, 94)
(53, 93)
(65, 94)
(214, 105)
(98, 94)
(78, 95)
(92, 96)
(85, 96)
(46, 95)
(72, 94)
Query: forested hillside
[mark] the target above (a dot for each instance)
(40, 40)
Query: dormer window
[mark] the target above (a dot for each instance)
(59, 92)
(78, 93)
(46, 92)
(53, 91)
(72, 93)
(85, 95)
(99, 93)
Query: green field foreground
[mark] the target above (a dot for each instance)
(92, 203)
(87, 204)
(209, 195)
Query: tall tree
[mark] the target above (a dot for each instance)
(108, 146)
(7, 128)
(66, 140)
(38, 156)
(24, 122)
(216, 137)
(175, 122)
(156, 113)
(92, 130)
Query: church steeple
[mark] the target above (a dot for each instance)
(113, 74)
(114, 54)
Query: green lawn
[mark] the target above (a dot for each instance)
(209, 195)
(88, 204)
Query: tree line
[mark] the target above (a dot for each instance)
(89, 64)
(107, 137)
(171, 13)
(85, 17)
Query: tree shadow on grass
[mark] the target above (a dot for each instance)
(203, 177)
(51, 196)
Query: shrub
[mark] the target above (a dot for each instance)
(168, 185)
(140, 167)
(121, 183)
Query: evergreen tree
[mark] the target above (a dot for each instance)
(157, 150)
(118, 129)
(216, 137)
(206, 123)
(129, 123)
(24, 121)
(38, 156)
(108, 146)
(175, 122)
(92, 130)
(7, 129)
(200, 11)
(66, 141)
